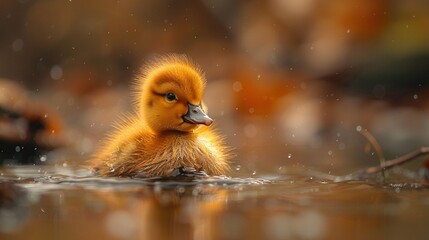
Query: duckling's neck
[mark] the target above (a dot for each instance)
(175, 133)
(169, 138)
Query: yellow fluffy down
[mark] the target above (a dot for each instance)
(156, 140)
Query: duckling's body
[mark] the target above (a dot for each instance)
(170, 129)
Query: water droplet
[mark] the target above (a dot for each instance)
(348, 31)
(415, 96)
(359, 128)
(289, 155)
(56, 72)
(17, 45)
(43, 158)
(237, 86)
(17, 149)
(111, 168)
(238, 167)
(180, 189)
(254, 173)
(196, 192)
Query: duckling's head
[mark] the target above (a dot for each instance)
(170, 95)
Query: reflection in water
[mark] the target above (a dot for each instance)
(13, 209)
(48, 204)
(157, 213)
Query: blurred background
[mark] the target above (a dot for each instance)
(289, 82)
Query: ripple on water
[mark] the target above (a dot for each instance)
(282, 206)
(48, 177)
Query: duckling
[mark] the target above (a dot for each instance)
(170, 128)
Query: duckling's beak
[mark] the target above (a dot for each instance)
(196, 115)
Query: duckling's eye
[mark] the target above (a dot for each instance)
(170, 97)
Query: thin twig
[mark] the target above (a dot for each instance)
(371, 139)
(397, 161)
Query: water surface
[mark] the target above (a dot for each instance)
(42, 202)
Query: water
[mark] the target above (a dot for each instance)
(63, 203)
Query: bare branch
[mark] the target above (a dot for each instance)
(398, 161)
